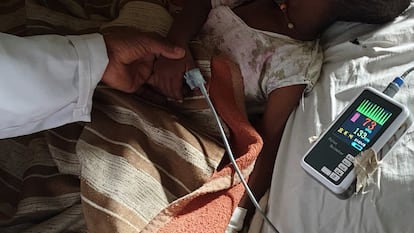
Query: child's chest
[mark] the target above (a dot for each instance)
(263, 15)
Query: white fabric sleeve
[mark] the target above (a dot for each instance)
(47, 81)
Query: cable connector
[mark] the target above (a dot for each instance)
(395, 85)
(237, 220)
(194, 78)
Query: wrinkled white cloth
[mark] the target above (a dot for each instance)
(356, 56)
(47, 81)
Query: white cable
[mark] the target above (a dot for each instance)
(195, 79)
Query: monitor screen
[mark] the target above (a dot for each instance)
(356, 130)
(361, 126)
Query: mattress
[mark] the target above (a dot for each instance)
(356, 56)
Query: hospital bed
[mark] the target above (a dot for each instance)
(140, 168)
(356, 56)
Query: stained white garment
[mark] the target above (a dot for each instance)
(267, 60)
(47, 81)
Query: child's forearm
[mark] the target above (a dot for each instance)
(189, 21)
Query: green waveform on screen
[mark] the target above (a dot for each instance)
(374, 111)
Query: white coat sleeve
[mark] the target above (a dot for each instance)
(47, 81)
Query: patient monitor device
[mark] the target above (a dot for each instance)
(372, 120)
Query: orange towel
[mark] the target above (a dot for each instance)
(209, 208)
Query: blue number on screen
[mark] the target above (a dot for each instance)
(357, 146)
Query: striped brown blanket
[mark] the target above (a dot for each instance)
(138, 166)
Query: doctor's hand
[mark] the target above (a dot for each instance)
(131, 56)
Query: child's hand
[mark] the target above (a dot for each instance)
(168, 75)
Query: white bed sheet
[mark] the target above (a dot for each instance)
(297, 203)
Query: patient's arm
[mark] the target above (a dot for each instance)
(167, 75)
(280, 104)
(189, 21)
